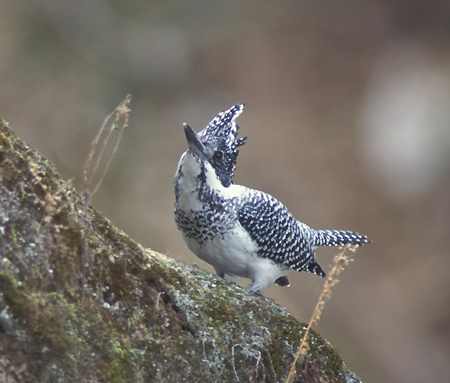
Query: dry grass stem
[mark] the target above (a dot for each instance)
(117, 120)
(340, 261)
(120, 122)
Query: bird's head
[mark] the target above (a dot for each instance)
(217, 143)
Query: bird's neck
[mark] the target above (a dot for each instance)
(196, 183)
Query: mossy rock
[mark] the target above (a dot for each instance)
(82, 301)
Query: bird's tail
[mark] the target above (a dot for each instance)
(338, 238)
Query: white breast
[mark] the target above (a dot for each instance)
(236, 256)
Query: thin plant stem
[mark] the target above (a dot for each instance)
(340, 261)
(120, 122)
(121, 115)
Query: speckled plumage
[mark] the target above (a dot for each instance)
(241, 232)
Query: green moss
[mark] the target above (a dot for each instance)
(223, 313)
(283, 341)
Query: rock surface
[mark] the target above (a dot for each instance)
(81, 301)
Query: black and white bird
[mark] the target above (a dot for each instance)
(241, 232)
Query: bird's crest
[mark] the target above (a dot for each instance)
(220, 137)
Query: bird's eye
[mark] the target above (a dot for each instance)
(218, 155)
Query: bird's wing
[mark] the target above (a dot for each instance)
(278, 235)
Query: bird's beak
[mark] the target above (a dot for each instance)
(194, 143)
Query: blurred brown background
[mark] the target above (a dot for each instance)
(348, 119)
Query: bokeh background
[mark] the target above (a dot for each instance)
(348, 119)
